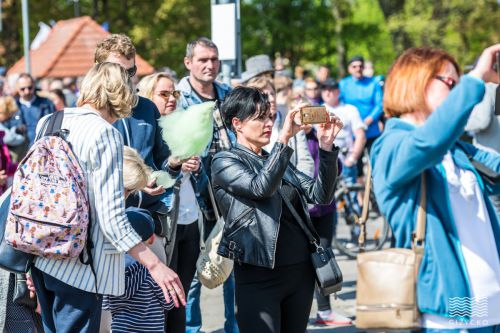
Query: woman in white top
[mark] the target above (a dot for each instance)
(67, 288)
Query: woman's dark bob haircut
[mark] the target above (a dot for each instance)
(244, 103)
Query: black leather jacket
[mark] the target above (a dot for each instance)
(245, 186)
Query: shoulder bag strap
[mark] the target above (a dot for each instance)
(364, 213)
(201, 224)
(421, 215)
(312, 239)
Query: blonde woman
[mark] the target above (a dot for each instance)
(160, 89)
(70, 292)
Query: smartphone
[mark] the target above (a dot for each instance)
(313, 115)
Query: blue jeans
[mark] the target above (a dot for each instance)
(350, 174)
(64, 308)
(193, 311)
(487, 329)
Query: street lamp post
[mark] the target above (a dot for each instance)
(26, 37)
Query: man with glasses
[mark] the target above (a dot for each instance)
(365, 94)
(31, 108)
(141, 132)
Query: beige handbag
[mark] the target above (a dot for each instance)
(386, 287)
(212, 269)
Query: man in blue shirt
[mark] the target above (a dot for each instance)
(31, 107)
(365, 94)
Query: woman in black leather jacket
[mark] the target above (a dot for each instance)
(273, 272)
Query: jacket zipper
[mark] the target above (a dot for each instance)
(238, 225)
(42, 222)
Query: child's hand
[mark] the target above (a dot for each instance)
(153, 190)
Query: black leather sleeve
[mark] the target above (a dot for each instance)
(233, 175)
(322, 190)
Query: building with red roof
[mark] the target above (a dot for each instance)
(68, 51)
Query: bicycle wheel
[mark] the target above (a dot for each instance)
(346, 235)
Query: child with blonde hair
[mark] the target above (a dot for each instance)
(141, 308)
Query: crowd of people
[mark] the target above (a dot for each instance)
(260, 159)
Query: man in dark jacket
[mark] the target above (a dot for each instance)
(140, 131)
(31, 108)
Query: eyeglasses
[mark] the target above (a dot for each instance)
(166, 93)
(131, 71)
(448, 81)
(26, 88)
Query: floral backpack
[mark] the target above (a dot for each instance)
(49, 209)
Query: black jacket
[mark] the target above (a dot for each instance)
(246, 185)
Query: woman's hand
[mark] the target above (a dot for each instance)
(327, 132)
(166, 278)
(290, 126)
(484, 68)
(191, 165)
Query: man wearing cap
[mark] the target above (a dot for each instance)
(365, 94)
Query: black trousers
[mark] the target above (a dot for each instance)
(324, 227)
(184, 257)
(274, 300)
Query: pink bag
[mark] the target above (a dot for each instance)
(49, 211)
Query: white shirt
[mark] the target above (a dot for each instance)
(188, 206)
(351, 119)
(478, 248)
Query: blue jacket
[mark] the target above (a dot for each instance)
(365, 94)
(399, 157)
(141, 132)
(189, 97)
(30, 116)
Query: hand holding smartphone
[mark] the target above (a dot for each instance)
(313, 115)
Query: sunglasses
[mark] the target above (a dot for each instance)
(448, 81)
(26, 88)
(166, 94)
(131, 71)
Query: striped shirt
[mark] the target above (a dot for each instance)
(141, 308)
(98, 146)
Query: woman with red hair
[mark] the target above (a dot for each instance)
(429, 105)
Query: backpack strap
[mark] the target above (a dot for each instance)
(55, 123)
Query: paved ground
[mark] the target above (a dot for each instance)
(213, 311)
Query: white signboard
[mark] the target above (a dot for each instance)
(224, 30)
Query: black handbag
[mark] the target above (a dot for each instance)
(328, 274)
(21, 294)
(10, 259)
